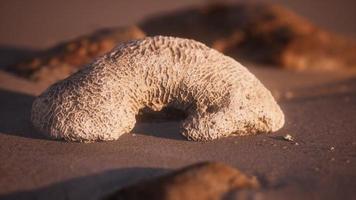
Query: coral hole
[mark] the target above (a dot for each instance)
(166, 114)
(164, 123)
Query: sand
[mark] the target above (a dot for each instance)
(320, 117)
(320, 111)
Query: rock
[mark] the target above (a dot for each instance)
(265, 33)
(202, 181)
(100, 102)
(66, 58)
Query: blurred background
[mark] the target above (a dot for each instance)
(42, 23)
(28, 28)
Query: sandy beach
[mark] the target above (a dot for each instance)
(320, 110)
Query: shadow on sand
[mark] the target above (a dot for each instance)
(89, 187)
(167, 130)
(10, 55)
(164, 123)
(15, 115)
(16, 111)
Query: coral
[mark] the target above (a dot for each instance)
(201, 181)
(99, 102)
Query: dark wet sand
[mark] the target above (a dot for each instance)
(320, 111)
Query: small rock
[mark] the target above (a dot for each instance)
(202, 181)
(284, 38)
(66, 58)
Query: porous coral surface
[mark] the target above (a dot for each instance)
(99, 102)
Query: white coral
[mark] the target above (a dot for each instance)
(220, 96)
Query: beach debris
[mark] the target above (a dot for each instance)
(202, 181)
(100, 102)
(68, 57)
(263, 32)
(288, 138)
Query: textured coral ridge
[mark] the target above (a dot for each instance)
(99, 102)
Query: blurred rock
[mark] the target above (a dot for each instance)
(202, 181)
(66, 58)
(265, 33)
